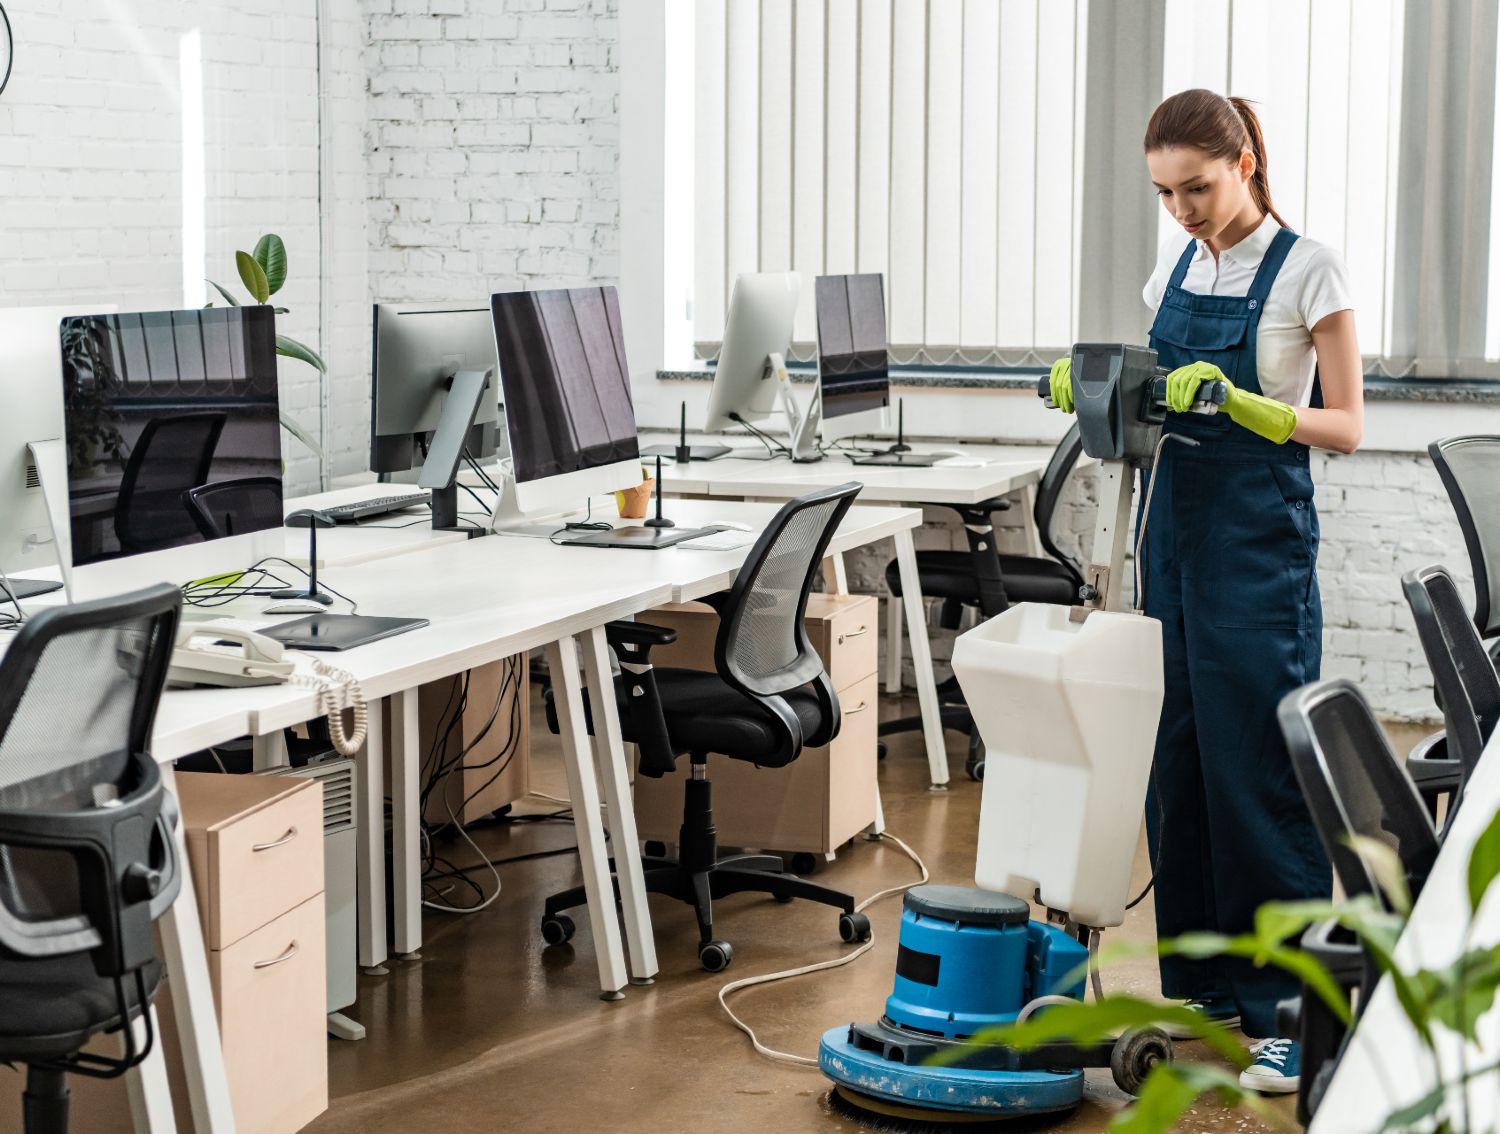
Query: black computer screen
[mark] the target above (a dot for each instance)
(852, 363)
(564, 380)
(161, 402)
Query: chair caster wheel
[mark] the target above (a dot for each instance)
(715, 956)
(804, 863)
(854, 927)
(975, 770)
(558, 930)
(1135, 1054)
(655, 848)
(880, 750)
(782, 899)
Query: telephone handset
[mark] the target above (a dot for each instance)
(226, 655)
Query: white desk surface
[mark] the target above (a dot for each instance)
(1385, 1067)
(1006, 469)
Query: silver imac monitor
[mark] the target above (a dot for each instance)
(749, 378)
(156, 403)
(31, 385)
(418, 350)
(569, 416)
(854, 384)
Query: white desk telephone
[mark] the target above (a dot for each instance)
(226, 655)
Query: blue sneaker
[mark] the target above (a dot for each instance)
(1220, 1012)
(1277, 1069)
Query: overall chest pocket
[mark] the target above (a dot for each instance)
(1201, 325)
(1264, 553)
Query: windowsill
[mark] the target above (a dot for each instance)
(1377, 389)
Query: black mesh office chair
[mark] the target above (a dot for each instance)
(172, 455)
(1354, 784)
(229, 507)
(1469, 468)
(87, 860)
(768, 698)
(1464, 684)
(984, 580)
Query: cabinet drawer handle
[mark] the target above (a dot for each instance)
(853, 634)
(291, 951)
(281, 842)
(859, 708)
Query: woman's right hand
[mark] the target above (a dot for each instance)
(1061, 384)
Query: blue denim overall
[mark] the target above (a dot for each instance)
(1231, 553)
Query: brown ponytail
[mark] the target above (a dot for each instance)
(1220, 127)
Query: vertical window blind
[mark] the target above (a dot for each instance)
(936, 141)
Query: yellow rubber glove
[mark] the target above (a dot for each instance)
(1273, 420)
(1061, 381)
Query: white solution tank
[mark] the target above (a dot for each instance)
(1068, 713)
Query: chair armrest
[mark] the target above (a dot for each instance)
(632, 643)
(1337, 950)
(638, 637)
(1430, 767)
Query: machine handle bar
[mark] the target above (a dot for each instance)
(1210, 396)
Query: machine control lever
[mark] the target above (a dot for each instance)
(1211, 395)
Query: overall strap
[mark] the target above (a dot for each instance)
(1270, 264)
(1179, 273)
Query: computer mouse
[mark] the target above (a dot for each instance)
(295, 606)
(947, 453)
(730, 525)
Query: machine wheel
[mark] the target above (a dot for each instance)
(804, 862)
(975, 768)
(715, 956)
(1135, 1053)
(655, 848)
(854, 927)
(558, 930)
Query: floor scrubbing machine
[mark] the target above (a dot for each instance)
(1067, 702)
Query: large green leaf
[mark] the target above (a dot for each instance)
(1417, 1114)
(1484, 862)
(1458, 995)
(270, 254)
(1172, 1088)
(291, 348)
(1384, 864)
(254, 279)
(229, 299)
(1097, 1020)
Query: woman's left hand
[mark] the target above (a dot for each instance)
(1183, 383)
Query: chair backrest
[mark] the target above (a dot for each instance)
(1354, 784)
(762, 648)
(1464, 679)
(1469, 468)
(232, 507)
(172, 455)
(1049, 492)
(80, 797)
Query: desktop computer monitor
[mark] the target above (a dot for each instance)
(156, 403)
(418, 350)
(31, 389)
(759, 326)
(854, 383)
(566, 389)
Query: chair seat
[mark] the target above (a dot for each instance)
(53, 1006)
(950, 575)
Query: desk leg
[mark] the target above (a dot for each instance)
(583, 790)
(877, 828)
(146, 1085)
(893, 644)
(370, 852)
(612, 767)
(835, 578)
(193, 999)
(921, 659)
(406, 824)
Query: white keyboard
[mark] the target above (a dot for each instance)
(727, 540)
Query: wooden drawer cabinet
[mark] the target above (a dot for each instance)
(823, 798)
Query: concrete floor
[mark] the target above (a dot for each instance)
(491, 1031)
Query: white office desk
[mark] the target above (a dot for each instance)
(1385, 1067)
(1007, 469)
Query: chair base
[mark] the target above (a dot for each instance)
(738, 874)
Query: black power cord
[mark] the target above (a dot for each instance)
(10, 49)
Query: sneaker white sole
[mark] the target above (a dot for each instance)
(1270, 1084)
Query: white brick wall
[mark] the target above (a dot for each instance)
(493, 146)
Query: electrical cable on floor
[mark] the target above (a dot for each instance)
(837, 962)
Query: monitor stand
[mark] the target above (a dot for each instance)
(51, 460)
(440, 470)
(802, 427)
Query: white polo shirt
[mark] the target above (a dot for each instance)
(1313, 282)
